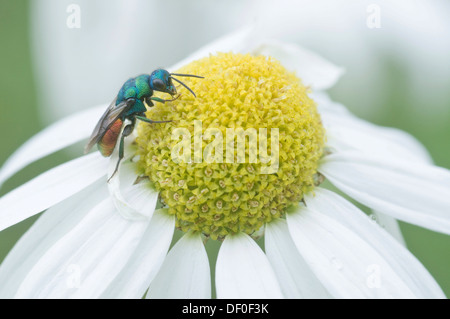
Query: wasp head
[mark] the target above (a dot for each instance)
(161, 81)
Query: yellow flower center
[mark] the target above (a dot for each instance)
(226, 184)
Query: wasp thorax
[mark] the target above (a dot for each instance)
(240, 153)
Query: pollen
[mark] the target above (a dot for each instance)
(218, 188)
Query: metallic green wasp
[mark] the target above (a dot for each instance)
(129, 105)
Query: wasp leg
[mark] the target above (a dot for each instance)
(149, 102)
(143, 118)
(126, 131)
(157, 99)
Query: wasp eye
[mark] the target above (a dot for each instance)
(158, 85)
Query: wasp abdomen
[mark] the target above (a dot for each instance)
(108, 142)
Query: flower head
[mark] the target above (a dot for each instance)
(234, 191)
(109, 240)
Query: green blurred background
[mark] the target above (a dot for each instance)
(20, 118)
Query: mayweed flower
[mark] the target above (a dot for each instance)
(99, 240)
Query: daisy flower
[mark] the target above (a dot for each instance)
(113, 240)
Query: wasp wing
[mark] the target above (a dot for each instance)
(112, 113)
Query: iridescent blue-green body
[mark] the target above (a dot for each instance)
(141, 88)
(137, 88)
(129, 105)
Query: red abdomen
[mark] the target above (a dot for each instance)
(108, 142)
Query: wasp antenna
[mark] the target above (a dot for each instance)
(189, 75)
(187, 87)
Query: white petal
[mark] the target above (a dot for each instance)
(185, 272)
(136, 276)
(48, 229)
(138, 201)
(390, 224)
(243, 271)
(50, 188)
(133, 201)
(55, 137)
(312, 69)
(347, 132)
(405, 139)
(411, 271)
(240, 41)
(345, 264)
(294, 275)
(413, 192)
(325, 104)
(84, 262)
